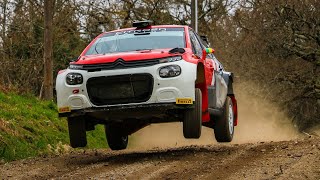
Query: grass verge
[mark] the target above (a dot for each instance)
(30, 127)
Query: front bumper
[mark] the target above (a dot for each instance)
(165, 90)
(137, 111)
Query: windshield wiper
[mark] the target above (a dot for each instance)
(95, 48)
(96, 44)
(143, 49)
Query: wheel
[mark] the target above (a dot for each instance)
(117, 140)
(224, 125)
(77, 131)
(192, 121)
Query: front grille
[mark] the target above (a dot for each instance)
(122, 89)
(118, 64)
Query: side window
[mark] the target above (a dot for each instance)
(196, 44)
(204, 45)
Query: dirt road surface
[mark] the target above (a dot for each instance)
(266, 146)
(299, 159)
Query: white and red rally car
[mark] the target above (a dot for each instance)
(129, 78)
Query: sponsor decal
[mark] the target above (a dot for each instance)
(184, 101)
(137, 31)
(64, 109)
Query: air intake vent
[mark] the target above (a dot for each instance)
(123, 89)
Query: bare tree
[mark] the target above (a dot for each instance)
(48, 48)
(4, 18)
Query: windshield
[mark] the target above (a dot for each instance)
(135, 40)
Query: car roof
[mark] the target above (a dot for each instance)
(154, 26)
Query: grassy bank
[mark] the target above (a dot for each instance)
(30, 127)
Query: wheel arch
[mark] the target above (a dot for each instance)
(229, 77)
(201, 84)
(200, 78)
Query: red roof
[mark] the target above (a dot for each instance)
(154, 26)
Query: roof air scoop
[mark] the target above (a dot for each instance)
(142, 24)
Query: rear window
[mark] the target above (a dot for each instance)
(134, 40)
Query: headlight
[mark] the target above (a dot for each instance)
(170, 59)
(74, 78)
(170, 71)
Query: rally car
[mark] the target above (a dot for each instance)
(130, 78)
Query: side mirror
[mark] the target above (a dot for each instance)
(207, 51)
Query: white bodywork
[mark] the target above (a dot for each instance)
(165, 90)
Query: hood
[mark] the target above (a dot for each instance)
(126, 56)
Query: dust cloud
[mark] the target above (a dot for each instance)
(259, 121)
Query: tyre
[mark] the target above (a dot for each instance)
(116, 139)
(192, 121)
(224, 125)
(77, 131)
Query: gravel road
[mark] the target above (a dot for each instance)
(295, 159)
